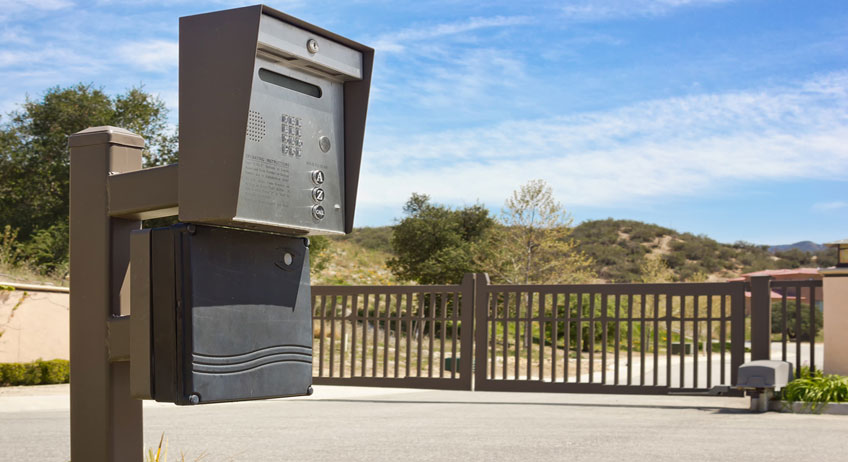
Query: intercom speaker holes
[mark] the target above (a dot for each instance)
(255, 126)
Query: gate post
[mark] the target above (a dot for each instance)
(760, 318)
(106, 423)
(481, 316)
(737, 329)
(466, 334)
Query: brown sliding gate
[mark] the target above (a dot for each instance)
(598, 338)
(609, 338)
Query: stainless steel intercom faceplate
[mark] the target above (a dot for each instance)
(272, 117)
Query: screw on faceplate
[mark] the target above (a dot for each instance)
(194, 399)
(312, 46)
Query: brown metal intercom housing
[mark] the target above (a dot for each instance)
(272, 119)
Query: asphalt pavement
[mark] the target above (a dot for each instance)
(373, 424)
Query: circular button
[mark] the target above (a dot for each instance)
(318, 177)
(318, 212)
(324, 143)
(312, 46)
(317, 194)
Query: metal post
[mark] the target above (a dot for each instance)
(466, 333)
(760, 318)
(481, 318)
(106, 423)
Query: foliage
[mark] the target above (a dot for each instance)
(35, 373)
(654, 269)
(35, 166)
(586, 307)
(792, 317)
(161, 452)
(534, 243)
(817, 389)
(9, 251)
(319, 247)
(376, 238)
(619, 249)
(433, 244)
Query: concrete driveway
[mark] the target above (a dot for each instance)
(371, 424)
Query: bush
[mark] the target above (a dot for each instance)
(816, 388)
(35, 373)
(791, 317)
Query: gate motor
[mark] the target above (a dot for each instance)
(271, 125)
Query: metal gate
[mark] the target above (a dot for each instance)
(609, 338)
(589, 338)
(394, 336)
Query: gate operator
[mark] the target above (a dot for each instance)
(271, 125)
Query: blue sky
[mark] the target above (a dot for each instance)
(718, 117)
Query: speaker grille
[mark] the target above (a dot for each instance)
(255, 126)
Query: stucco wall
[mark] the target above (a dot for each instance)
(836, 324)
(34, 328)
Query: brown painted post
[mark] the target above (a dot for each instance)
(106, 423)
(466, 334)
(760, 318)
(481, 320)
(737, 328)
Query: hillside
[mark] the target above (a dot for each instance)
(618, 248)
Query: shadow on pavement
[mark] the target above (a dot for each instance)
(714, 409)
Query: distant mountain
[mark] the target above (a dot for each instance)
(804, 246)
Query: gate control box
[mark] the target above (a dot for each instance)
(272, 120)
(230, 314)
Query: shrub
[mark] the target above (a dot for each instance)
(791, 316)
(817, 389)
(35, 373)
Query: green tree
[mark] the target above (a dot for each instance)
(534, 243)
(433, 243)
(34, 162)
(654, 269)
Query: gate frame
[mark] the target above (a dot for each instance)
(464, 379)
(483, 290)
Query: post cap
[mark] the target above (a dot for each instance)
(105, 135)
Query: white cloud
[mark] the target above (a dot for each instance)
(151, 55)
(689, 146)
(830, 206)
(397, 41)
(593, 10)
(12, 8)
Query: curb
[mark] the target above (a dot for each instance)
(799, 407)
(36, 287)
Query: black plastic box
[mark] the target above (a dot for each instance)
(231, 315)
